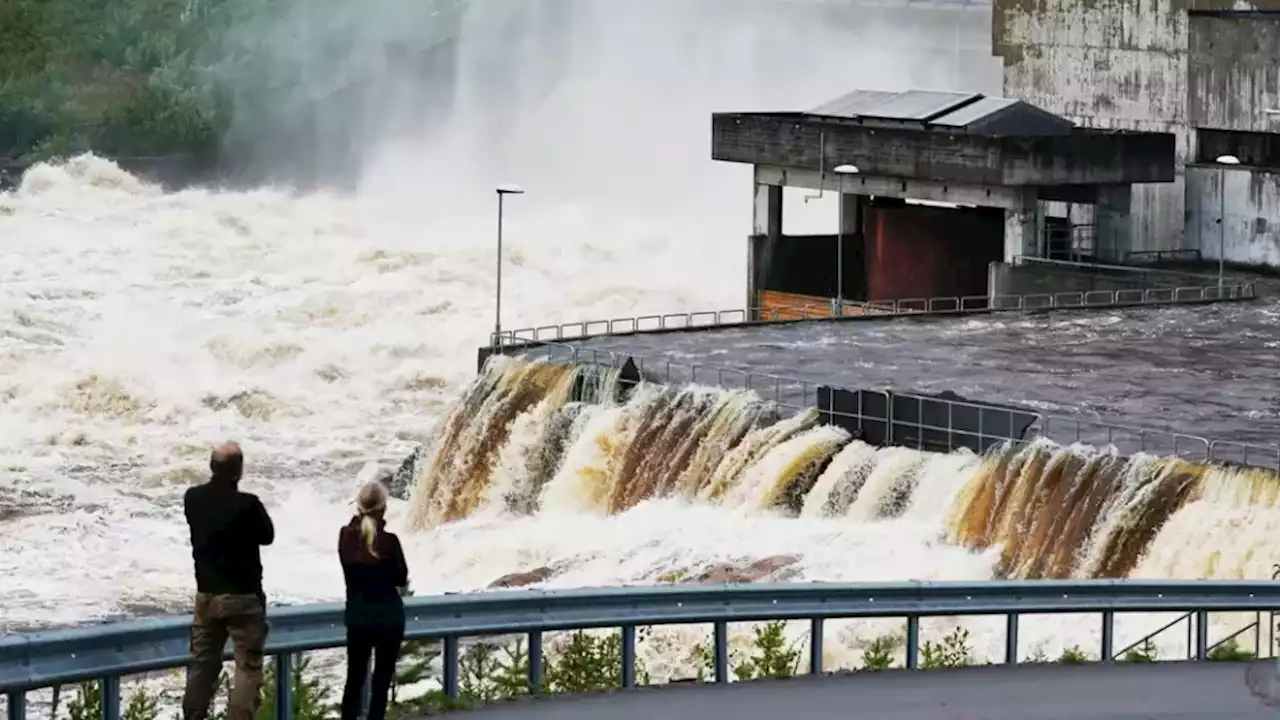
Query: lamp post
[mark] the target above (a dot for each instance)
(1223, 161)
(503, 191)
(841, 170)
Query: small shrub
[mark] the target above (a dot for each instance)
(1144, 653)
(773, 656)
(413, 666)
(879, 654)
(87, 704)
(1073, 656)
(1038, 656)
(953, 651)
(1229, 651)
(587, 663)
(310, 698)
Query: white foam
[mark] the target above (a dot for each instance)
(137, 327)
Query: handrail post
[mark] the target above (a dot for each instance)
(722, 651)
(1202, 635)
(110, 697)
(913, 642)
(1108, 636)
(535, 662)
(17, 705)
(628, 656)
(284, 686)
(1191, 644)
(1011, 638)
(815, 646)
(451, 667)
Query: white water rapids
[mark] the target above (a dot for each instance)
(138, 328)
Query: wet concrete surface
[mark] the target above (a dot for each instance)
(1207, 370)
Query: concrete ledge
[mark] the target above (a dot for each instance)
(485, 351)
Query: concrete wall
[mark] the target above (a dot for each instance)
(1036, 279)
(1111, 64)
(1165, 65)
(1252, 213)
(781, 139)
(940, 45)
(1233, 72)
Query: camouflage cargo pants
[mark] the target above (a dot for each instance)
(217, 617)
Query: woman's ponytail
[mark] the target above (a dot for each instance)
(371, 502)
(369, 533)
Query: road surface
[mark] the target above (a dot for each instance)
(1164, 691)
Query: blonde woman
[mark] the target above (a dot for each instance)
(375, 572)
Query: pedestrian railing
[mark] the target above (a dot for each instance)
(108, 652)
(953, 305)
(1146, 275)
(915, 420)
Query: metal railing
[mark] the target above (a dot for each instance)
(967, 304)
(1167, 278)
(912, 428)
(1192, 255)
(108, 652)
(1189, 620)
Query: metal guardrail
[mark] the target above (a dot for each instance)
(108, 652)
(1189, 255)
(968, 304)
(796, 394)
(1138, 271)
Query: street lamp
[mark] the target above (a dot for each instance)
(1223, 160)
(841, 170)
(502, 190)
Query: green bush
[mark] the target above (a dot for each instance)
(1229, 651)
(879, 654)
(771, 657)
(953, 651)
(1143, 653)
(120, 77)
(1073, 656)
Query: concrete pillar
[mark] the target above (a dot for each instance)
(1021, 230)
(853, 209)
(765, 234)
(852, 212)
(1113, 224)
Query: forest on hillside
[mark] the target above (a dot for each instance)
(198, 78)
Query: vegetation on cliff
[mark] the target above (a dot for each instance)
(121, 78)
(208, 79)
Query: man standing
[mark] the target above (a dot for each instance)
(227, 529)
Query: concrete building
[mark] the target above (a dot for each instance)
(1207, 71)
(933, 186)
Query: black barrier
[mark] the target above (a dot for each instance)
(939, 423)
(629, 377)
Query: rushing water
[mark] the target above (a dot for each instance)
(138, 327)
(1203, 370)
(670, 482)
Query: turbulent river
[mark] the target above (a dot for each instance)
(324, 330)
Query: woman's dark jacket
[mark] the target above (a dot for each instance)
(373, 583)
